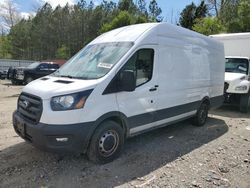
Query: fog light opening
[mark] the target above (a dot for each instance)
(62, 139)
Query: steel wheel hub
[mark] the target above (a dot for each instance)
(108, 143)
(203, 114)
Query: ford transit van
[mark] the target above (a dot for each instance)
(123, 83)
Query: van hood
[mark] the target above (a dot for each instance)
(230, 76)
(49, 86)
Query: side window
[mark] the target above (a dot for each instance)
(141, 63)
(43, 66)
(53, 66)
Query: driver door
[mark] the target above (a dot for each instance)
(140, 105)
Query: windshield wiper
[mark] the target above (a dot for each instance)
(66, 76)
(74, 77)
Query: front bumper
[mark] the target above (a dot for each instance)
(232, 98)
(53, 137)
(19, 77)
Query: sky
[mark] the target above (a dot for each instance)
(170, 8)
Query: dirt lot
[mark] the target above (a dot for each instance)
(180, 155)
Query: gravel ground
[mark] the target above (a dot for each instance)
(180, 155)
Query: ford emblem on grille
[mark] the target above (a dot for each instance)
(26, 103)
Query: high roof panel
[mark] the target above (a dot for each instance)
(129, 33)
(151, 32)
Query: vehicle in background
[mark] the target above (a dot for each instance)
(3, 74)
(123, 83)
(237, 75)
(24, 75)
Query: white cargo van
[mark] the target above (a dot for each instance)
(237, 79)
(125, 82)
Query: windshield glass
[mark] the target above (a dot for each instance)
(33, 65)
(237, 65)
(94, 61)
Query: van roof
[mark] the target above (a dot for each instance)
(125, 34)
(148, 31)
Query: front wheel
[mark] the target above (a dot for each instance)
(106, 143)
(201, 115)
(245, 102)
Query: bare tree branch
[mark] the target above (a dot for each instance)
(8, 14)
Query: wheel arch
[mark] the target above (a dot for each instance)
(206, 100)
(116, 116)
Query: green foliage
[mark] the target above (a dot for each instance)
(155, 11)
(63, 31)
(244, 15)
(140, 19)
(232, 16)
(127, 5)
(188, 16)
(123, 19)
(208, 26)
(191, 12)
(142, 7)
(228, 15)
(62, 53)
(5, 47)
(201, 11)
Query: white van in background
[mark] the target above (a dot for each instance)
(237, 76)
(125, 82)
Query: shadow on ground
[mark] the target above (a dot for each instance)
(10, 84)
(230, 111)
(142, 155)
(12, 96)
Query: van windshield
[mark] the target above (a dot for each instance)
(237, 65)
(94, 61)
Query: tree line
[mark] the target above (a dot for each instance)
(217, 16)
(63, 31)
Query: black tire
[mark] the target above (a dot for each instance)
(106, 143)
(201, 115)
(28, 80)
(245, 103)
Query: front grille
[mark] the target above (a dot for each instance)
(30, 107)
(226, 85)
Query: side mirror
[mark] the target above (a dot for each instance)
(127, 81)
(242, 68)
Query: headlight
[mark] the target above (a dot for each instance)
(241, 88)
(70, 101)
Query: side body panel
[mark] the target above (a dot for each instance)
(190, 69)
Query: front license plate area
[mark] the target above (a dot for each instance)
(20, 127)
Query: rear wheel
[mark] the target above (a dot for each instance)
(201, 115)
(106, 143)
(245, 103)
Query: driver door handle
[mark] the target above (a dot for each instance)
(154, 88)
